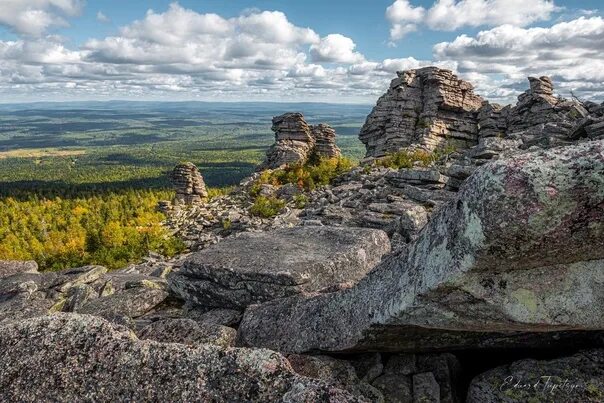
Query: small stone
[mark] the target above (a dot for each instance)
(334, 371)
(368, 366)
(395, 388)
(77, 296)
(81, 275)
(224, 317)
(401, 364)
(425, 388)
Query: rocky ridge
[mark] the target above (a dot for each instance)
(496, 245)
(476, 275)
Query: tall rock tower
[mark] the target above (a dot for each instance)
(426, 107)
(189, 184)
(296, 141)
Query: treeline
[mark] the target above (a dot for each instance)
(110, 229)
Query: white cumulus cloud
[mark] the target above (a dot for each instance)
(35, 17)
(449, 15)
(178, 53)
(101, 17)
(403, 18)
(336, 48)
(571, 52)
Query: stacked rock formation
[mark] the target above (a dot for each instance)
(189, 184)
(424, 107)
(539, 117)
(296, 141)
(293, 141)
(325, 141)
(429, 107)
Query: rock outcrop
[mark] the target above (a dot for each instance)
(296, 141)
(424, 107)
(10, 267)
(431, 107)
(72, 357)
(124, 296)
(189, 184)
(325, 141)
(520, 250)
(293, 141)
(258, 267)
(578, 378)
(539, 117)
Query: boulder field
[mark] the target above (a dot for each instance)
(471, 271)
(520, 249)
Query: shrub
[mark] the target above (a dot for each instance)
(327, 170)
(300, 201)
(267, 207)
(305, 176)
(408, 159)
(265, 177)
(217, 192)
(443, 153)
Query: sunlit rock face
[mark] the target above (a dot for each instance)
(296, 141)
(189, 184)
(519, 253)
(325, 141)
(432, 108)
(72, 357)
(424, 107)
(258, 267)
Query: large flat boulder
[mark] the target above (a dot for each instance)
(258, 267)
(518, 253)
(578, 378)
(72, 357)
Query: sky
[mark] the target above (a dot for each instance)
(344, 51)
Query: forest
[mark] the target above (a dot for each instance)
(111, 229)
(79, 183)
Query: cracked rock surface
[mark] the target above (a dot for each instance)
(257, 267)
